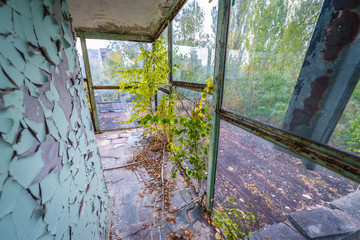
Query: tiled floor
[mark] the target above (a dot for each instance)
(134, 202)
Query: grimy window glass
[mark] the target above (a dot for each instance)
(194, 30)
(114, 107)
(270, 184)
(107, 57)
(281, 69)
(185, 100)
(346, 135)
(165, 34)
(81, 61)
(267, 43)
(80, 57)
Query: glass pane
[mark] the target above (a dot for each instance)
(87, 94)
(165, 33)
(80, 57)
(268, 182)
(160, 94)
(346, 135)
(267, 44)
(187, 106)
(187, 93)
(107, 57)
(166, 86)
(114, 107)
(185, 100)
(194, 30)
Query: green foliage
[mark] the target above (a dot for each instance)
(192, 39)
(234, 222)
(184, 124)
(354, 131)
(161, 123)
(192, 132)
(345, 135)
(188, 25)
(267, 45)
(265, 95)
(87, 95)
(353, 118)
(143, 82)
(185, 132)
(117, 56)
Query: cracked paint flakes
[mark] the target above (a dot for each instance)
(49, 154)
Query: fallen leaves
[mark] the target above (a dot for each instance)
(180, 234)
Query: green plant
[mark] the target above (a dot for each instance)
(143, 82)
(161, 123)
(185, 133)
(354, 131)
(191, 132)
(234, 222)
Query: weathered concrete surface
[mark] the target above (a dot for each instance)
(319, 223)
(349, 204)
(134, 17)
(278, 231)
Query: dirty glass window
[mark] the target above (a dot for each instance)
(267, 43)
(166, 41)
(114, 107)
(346, 135)
(194, 30)
(183, 93)
(80, 57)
(190, 98)
(185, 100)
(107, 57)
(161, 94)
(269, 184)
(82, 67)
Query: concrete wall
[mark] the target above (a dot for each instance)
(51, 181)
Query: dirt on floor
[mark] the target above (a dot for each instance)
(147, 202)
(268, 182)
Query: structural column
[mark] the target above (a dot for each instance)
(91, 89)
(219, 72)
(170, 54)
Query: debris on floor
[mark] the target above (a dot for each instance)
(147, 202)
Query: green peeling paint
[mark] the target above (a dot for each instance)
(46, 135)
(26, 169)
(25, 142)
(9, 196)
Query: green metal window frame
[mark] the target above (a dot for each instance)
(94, 113)
(336, 160)
(115, 37)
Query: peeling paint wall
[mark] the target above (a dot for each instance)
(51, 181)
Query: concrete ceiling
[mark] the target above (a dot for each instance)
(133, 18)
